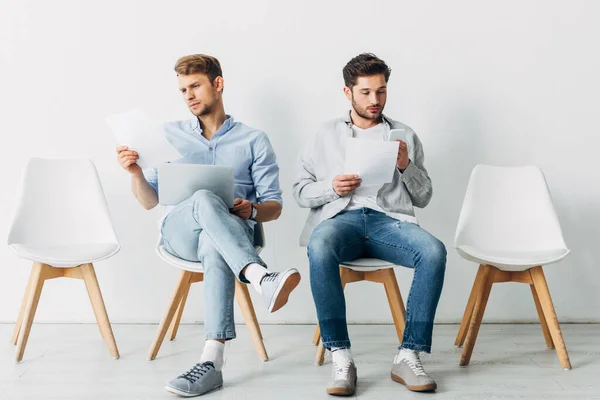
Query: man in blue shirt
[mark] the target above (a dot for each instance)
(202, 228)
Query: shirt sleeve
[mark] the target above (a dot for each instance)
(265, 171)
(151, 176)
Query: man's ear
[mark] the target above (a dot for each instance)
(219, 84)
(348, 92)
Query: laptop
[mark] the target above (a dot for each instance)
(177, 182)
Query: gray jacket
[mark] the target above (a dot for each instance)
(323, 158)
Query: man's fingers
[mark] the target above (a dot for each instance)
(347, 177)
(121, 148)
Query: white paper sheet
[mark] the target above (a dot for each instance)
(135, 130)
(371, 160)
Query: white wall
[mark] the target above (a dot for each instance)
(506, 82)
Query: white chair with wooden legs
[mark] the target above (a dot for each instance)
(372, 270)
(509, 227)
(63, 225)
(192, 272)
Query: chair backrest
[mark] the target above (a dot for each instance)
(508, 208)
(259, 235)
(61, 203)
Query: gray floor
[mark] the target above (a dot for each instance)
(510, 361)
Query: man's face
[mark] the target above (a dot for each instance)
(368, 96)
(199, 93)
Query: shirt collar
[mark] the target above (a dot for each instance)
(348, 120)
(227, 125)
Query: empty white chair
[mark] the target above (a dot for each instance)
(509, 226)
(192, 272)
(372, 270)
(63, 225)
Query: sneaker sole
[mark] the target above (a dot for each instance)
(187, 394)
(420, 388)
(342, 391)
(289, 282)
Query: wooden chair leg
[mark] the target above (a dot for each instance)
(317, 336)
(541, 287)
(19, 321)
(184, 279)
(33, 298)
(543, 323)
(487, 280)
(93, 289)
(175, 324)
(395, 301)
(245, 303)
(464, 325)
(320, 356)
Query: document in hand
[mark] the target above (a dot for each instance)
(135, 130)
(373, 161)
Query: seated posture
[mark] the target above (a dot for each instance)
(349, 221)
(202, 228)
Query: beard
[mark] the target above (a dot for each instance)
(366, 114)
(204, 110)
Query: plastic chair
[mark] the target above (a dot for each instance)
(63, 225)
(509, 226)
(372, 270)
(192, 272)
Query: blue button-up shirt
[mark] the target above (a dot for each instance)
(246, 149)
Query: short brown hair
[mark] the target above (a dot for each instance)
(365, 64)
(199, 64)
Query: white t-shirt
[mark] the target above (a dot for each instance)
(366, 196)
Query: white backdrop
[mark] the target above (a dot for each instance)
(506, 82)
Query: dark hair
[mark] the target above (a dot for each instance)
(365, 64)
(199, 64)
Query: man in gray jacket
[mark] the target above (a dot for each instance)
(347, 222)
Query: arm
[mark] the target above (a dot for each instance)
(416, 179)
(265, 175)
(145, 191)
(308, 191)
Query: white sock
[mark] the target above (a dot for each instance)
(213, 351)
(341, 355)
(254, 273)
(406, 354)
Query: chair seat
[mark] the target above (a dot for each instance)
(66, 255)
(512, 260)
(367, 264)
(178, 262)
(192, 266)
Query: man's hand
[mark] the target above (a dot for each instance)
(242, 208)
(128, 160)
(344, 184)
(402, 161)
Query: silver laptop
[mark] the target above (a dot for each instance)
(177, 182)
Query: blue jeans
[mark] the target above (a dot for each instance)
(201, 229)
(368, 233)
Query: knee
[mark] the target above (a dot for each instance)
(320, 243)
(204, 196)
(434, 254)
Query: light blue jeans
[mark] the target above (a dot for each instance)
(202, 229)
(368, 233)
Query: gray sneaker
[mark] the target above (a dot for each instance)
(409, 372)
(344, 379)
(276, 287)
(200, 379)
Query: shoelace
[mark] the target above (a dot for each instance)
(341, 371)
(269, 277)
(414, 362)
(196, 372)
